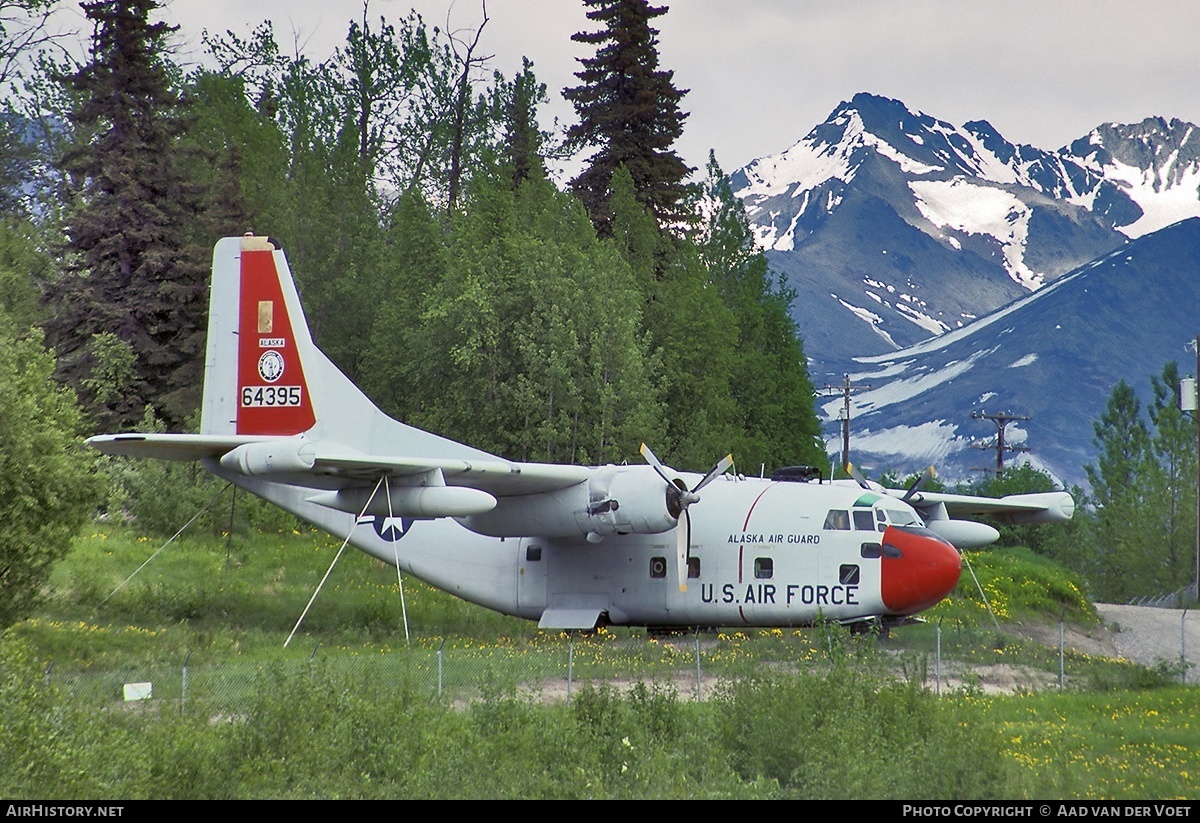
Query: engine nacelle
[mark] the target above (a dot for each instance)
(295, 454)
(1059, 507)
(964, 534)
(409, 501)
(615, 500)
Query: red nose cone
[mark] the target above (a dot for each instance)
(926, 570)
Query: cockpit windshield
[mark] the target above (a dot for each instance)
(903, 517)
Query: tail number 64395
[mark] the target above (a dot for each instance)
(267, 396)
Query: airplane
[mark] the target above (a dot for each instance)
(572, 547)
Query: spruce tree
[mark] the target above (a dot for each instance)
(629, 112)
(130, 274)
(522, 146)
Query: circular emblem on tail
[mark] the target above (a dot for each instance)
(270, 366)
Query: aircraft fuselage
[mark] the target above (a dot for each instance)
(762, 553)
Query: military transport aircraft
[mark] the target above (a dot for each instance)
(573, 547)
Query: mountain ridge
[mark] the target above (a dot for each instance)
(897, 230)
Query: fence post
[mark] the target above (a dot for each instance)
(1062, 642)
(570, 665)
(439, 658)
(1183, 664)
(184, 690)
(937, 659)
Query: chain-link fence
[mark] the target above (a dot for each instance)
(552, 667)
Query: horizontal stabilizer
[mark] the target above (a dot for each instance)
(186, 447)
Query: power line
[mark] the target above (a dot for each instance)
(1001, 420)
(846, 389)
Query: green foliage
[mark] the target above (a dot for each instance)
(129, 272)
(164, 496)
(113, 370)
(524, 142)
(358, 719)
(1143, 488)
(843, 735)
(47, 487)
(531, 332)
(30, 731)
(23, 267)
(629, 112)
(769, 379)
(1126, 745)
(1017, 584)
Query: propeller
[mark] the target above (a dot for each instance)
(916, 485)
(679, 497)
(853, 471)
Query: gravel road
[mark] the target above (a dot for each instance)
(1148, 635)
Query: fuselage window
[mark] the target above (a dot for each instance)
(891, 551)
(658, 567)
(764, 568)
(533, 553)
(848, 575)
(881, 516)
(693, 567)
(864, 520)
(838, 520)
(871, 550)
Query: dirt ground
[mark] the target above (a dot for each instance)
(1149, 636)
(1141, 634)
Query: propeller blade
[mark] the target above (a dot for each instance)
(654, 462)
(678, 500)
(853, 471)
(716, 471)
(683, 548)
(925, 477)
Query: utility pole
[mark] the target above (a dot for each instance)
(846, 389)
(1001, 420)
(1189, 401)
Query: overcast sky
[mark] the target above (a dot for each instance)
(762, 73)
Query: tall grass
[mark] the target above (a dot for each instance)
(794, 714)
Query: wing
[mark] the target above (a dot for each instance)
(1017, 509)
(301, 461)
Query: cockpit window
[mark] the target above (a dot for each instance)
(902, 517)
(838, 520)
(864, 520)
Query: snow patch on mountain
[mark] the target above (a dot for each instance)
(800, 169)
(970, 208)
(930, 324)
(898, 391)
(929, 442)
(870, 317)
(1163, 201)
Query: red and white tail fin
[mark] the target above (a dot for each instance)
(263, 375)
(258, 345)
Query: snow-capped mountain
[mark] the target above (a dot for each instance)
(1053, 356)
(893, 226)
